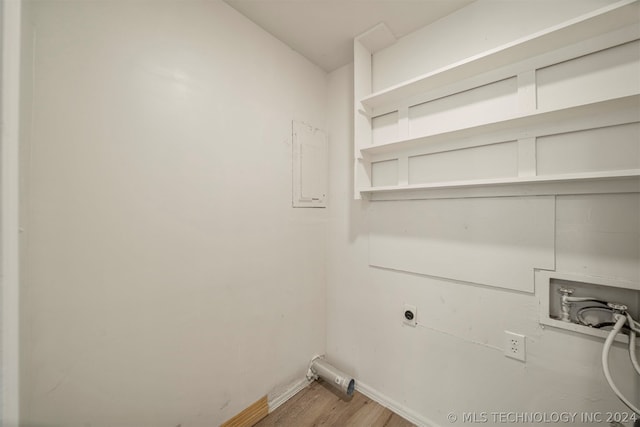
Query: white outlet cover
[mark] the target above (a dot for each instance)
(515, 346)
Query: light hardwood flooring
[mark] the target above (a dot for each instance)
(320, 405)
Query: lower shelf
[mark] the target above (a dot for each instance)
(622, 181)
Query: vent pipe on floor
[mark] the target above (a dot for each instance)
(319, 368)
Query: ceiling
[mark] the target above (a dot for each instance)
(323, 30)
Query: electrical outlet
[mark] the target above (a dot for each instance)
(515, 346)
(410, 315)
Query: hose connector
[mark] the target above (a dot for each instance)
(618, 308)
(565, 305)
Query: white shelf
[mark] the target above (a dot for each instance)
(606, 19)
(604, 106)
(625, 109)
(548, 179)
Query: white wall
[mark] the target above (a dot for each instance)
(168, 281)
(453, 360)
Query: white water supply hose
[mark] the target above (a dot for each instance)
(632, 343)
(633, 325)
(621, 320)
(632, 351)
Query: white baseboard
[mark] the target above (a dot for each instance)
(396, 407)
(292, 390)
(406, 413)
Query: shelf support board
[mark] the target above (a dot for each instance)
(527, 157)
(527, 102)
(403, 170)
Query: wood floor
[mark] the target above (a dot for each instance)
(320, 405)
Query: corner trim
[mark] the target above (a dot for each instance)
(9, 246)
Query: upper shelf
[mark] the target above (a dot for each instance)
(601, 21)
(625, 109)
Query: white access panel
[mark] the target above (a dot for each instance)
(496, 242)
(310, 166)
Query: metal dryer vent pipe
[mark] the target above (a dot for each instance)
(319, 368)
